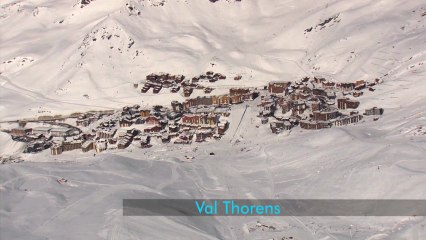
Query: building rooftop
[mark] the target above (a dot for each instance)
(62, 129)
(42, 128)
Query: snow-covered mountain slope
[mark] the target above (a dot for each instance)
(9, 147)
(372, 160)
(53, 53)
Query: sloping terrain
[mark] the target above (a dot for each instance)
(372, 160)
(52, 53)
(57, 56)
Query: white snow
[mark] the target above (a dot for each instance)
(8, 147)
(260, 40)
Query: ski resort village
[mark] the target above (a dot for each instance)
(253, 101)
(308, 103)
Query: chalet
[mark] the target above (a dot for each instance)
(330, 94)
(279, 126)
(357, 94)
(101, 145)
(238, 91)
(181, 141)
(157, 89)
(222, 111)
(360, 84)
(56, 149)
(108, 124)
(212, 79)
(344, 103)
(206, 101)
(175, 89)
(106, 133)
(85, 120)
(176, 106)
(325, 115)
(319, 92)
(145, 88)
(328, 85)
(220, 76)
(133, 132)
(278, 87)
(145, 141)
(345, 120)
(144, 112)
(286, 106)
(187, 91)
(82, 122)
(186, 136)
(167, 83)
(34, 137)
(199, 119)
(208, 90)
(173, 116)
(152, 77)
(267, 107)
(139, 121)
(87, 146)
(163, 123)
(165, 138)
(20, 131)
(125, 141)
(237, 99)
(294, 96)
(201, 136)
(173, 128)
(154, 129)
(71, 145)
(305, 79)
(124, 122)
(346, 86)
(120, 134)
(318, 80)
(222, 100)
(287, 125)
(237, 78)
(38, 146)
(61, 132)
(179, 78)
(152, 120)
(173, 135)
(314, 125)
(299, 107)
(303, 95)
(222, 127)
(374, 111)
(264, 120)
(134, 115)
(276, 126)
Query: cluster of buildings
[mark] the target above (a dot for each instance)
(194, 120)
(309, 103)
(313, 104)
(178, 83)
(42, 137)
(235, 96)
